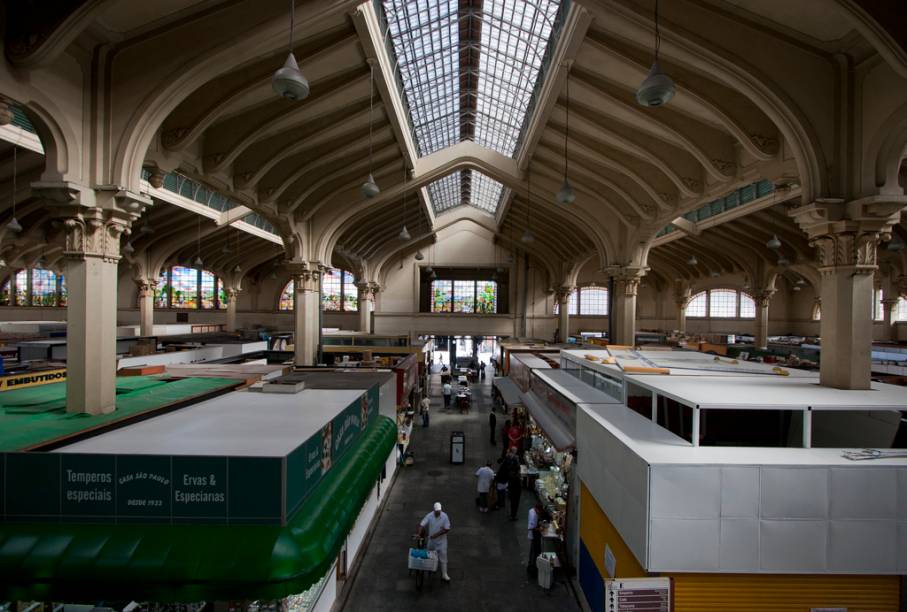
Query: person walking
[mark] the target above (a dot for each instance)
(482, 371)
(515, 436)
(447, 390)
(485, 476)
(492, 426)
(435, 527)
(534, 525)
(504, 437)
(425, 406)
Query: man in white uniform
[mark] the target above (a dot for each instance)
(435, 526)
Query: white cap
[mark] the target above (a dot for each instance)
(437, 506)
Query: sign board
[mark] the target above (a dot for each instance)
(638, 595)
(77, 487)
(309, 462)
(31, 379)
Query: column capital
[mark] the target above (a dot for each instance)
(306, 274)
(626, 278)
(146, 287)
(93, 232)
(847, 234)
(562, 294)
(233, 293)
(763, 297)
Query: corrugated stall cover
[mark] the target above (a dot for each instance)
(93, 562)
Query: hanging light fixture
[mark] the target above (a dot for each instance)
(128, 249)
(692, 260)
(800, 281)
(404, 233)
(783, 261)
(370, 187)
(566, 195)
(527, 236)
(419, 256)
(2, 263)
(773, 243)
(714, 274)
(237, 269)
(796, 287)
(273, 275)
(14, 225)
(288, 81)
(657, 88)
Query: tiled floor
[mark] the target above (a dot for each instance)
(487, 553)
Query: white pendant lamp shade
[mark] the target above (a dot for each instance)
(198, 260)
(796, 288)
(2, 263)
(433, 275)
(527, 237)
(783, 261)
(14, 226)
(128, 249)
(237, 268)
(370, 187)
(566, 195)
(273, 275)
(773, 243)
(692, 260)
(289, 81)
(404, 234)
(419, 256)
(715, 274)
(800, 281)
(429, 270)
(657, 88)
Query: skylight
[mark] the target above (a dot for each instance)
(469, 69)
(465, 187)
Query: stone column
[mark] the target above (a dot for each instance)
(626, 286)
(763, 300)
(682, 297)
(562, 296)
(366, 293)
(888, 306)
(307, 277)
(846, 237)
(93, 220)
(146, 305)
(232, 296)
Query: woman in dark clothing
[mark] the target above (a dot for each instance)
(492, 426)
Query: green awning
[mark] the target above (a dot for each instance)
(94, 562)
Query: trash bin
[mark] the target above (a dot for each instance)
(457, 447)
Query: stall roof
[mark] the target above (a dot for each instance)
(349, 378)
(574, 389)
(773, 393)
(241, 423)
(556, 430)
(680, 363)
(530, 360)
(658, 446)
(509, 391)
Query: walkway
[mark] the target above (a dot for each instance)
(487, 552)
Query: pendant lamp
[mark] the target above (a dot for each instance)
(692, 260)
(128, 249)
(773, 243)
(566, 195)
(657, 88)
(404, 233)
(198, 244)
(289, 81)
(419, 256)
(14, 225)
(370, 187)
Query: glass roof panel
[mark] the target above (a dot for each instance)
(465, 187)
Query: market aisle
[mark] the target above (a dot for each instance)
(487, 553)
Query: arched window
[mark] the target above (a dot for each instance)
(189, 288)
(34, 287)
(878, 311)
(338, 292)
(722, 304)
(817, 311)
(589, 301)
(901, 314)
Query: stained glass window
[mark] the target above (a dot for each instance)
(697, 305)
(722, 303)
(593, 301)
(441, 298)
(184, 287)
(486, 297)
(286, 296)
(22, 288)
(64, 294)
(331, 287)
(350, 293)
(464, 297)
(208, 289)
(44, 287)
(161, 290)
(221, 295)
(747, 306)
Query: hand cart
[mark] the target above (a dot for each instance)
(420, 561)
